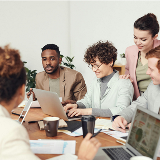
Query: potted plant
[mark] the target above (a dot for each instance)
(69, 62)
(123, 59)
(31, 75)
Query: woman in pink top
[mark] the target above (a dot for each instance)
(146, 30)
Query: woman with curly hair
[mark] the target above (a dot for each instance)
(14, 140)
(107, 94)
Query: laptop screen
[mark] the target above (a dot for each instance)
(145, 133)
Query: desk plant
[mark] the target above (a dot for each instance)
(31, 75)
(123, 59)
(122, 55)
(69, 61)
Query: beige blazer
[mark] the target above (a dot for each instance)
(14, 140)
(131, 55)
(72, 84)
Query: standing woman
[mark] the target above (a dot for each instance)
(146, 30)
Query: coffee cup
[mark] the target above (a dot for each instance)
(51, 126)
(88, 124)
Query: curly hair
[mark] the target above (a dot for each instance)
(12, 73)
(104, 51)
(148, 22)
(154, 53)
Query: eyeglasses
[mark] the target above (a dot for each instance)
(94, 66)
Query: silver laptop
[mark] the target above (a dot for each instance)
(51, 105)
(25, 110)
(143, 138)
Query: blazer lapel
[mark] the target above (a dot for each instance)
(112, 82)
(46, 82)
(62, 83)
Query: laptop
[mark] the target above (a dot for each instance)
(143, 138)
(25, 110)
(51, 105)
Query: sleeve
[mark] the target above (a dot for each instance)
(16, 145)
(101, 112)
(124, 97)
(126, 66)
(87, 99)
(80, 89)
(129, 111)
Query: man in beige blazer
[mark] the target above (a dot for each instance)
(67, 83)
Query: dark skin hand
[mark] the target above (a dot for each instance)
(31, 92)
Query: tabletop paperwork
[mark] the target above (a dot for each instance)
(53, 146)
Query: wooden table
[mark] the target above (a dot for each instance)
(35, 134)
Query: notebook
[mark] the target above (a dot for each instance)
(51, 105)
(142, 140)
(25, 110)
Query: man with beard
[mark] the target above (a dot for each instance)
(67, 83)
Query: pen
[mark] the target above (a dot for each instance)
(34, 121)
(96, 133)
(111, 129)
(125, 127)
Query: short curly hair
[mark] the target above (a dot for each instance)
(12, 73)
(104, 51)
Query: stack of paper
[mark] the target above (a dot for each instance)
(103, 124)
(115, 134)
(65, 157)
(53, 146)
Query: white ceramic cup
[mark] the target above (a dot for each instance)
(140, 158)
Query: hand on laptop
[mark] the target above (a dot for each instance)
(31, 92)
(77, 112)
(64, 103)
(88, 148)
(120, 124)
(70, 106)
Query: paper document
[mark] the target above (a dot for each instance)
(79, 132)
(65, 157)
(115, 134)
(53, 146)
(103, 124)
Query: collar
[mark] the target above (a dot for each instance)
(106, 79)
(4, 112)
(112, 81)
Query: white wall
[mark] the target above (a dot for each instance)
(104, 20)
(72, 25)
(28, 26)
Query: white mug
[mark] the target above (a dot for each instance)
(140, 158)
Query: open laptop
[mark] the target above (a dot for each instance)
(143, 138)
(25, 110)
(51, 105)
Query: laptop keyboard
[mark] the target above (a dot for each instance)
(117, 153)
(73, 117)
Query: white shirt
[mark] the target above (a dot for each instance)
(14, 140)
